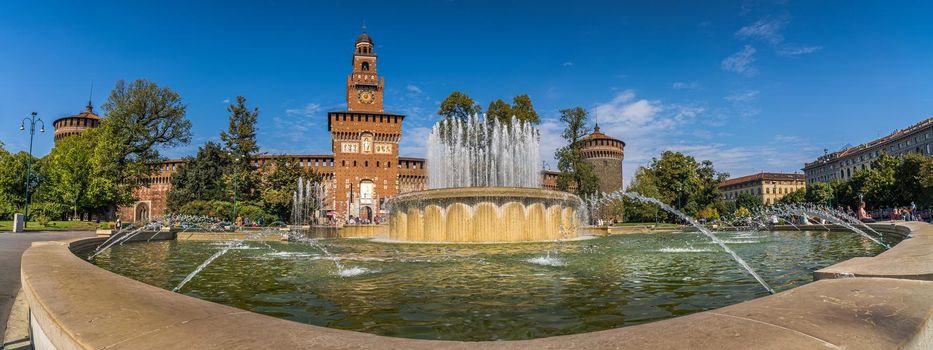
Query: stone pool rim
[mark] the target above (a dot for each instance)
(882, 302)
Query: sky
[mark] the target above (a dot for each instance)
(751, 85)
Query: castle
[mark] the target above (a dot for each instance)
(364, 168)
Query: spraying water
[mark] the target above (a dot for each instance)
(480, 152)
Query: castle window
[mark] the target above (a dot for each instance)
(343, 163)
(354, 163)
(366, 164)
(377, 163)
(388, 164)
(365, 66)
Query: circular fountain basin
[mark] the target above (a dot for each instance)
(484, 215)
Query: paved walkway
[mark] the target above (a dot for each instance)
(12, 246)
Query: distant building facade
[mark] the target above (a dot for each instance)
(844, 164)
(769, 187)
(364, 168)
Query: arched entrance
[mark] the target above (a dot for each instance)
(366, 213)
(142, 212)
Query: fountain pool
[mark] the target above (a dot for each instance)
(490, 291)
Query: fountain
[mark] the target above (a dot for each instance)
(484, 187)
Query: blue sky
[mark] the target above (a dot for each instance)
(750, 85)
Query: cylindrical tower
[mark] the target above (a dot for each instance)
(605, 155)
(73, 125)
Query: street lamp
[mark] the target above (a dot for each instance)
(33, 119)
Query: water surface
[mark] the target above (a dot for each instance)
(488, 292)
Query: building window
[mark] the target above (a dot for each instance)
(365, 66)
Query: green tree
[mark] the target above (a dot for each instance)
(69, 172)
(280, 180)
(926, 184)
(141, 118)
(499, 110)
(909, 178)
(575, 171)
(880, 187)
(748, 201)
(797, 197)
(678, 180)
(12, 182)
(643, 183)
(240, 140)
(524, 110)
(459, 105)
(200, 178)
(819, 193)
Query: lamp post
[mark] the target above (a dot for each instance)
(32, 120)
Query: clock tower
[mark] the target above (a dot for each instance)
(364, 85)
(364, 139)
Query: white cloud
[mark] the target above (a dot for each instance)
(742, 96)
(685, 86)
(770, 30)
(794, 50)
(226, 101)
(414, 89)
(308, 110)
(567, 64)
(741, 62)
(414, 142)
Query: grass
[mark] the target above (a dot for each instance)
(56, 226)
(659, 225)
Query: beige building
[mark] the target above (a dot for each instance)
(768, 186)
(844, 164)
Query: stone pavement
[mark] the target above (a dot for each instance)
(12, 246)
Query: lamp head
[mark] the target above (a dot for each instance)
(42, 129)
(22, 127)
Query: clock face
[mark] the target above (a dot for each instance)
(366, 96)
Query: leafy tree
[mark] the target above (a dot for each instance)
(910, 177)
(880, 186)
(819, 193)
(796, 197)
(707, 192)
(926, 184)
(459, 105)
(12, 182)
(524, 110)
(709, 213)
(742, 212)
(748, 201)
(200, 178)
(575, 171)
(643, 183)
(240, 140)
(678, 180)
(69, 171)
(280, 180)
(141, 117)
(500, 111)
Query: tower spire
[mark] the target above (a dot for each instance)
(90, 97)
(596, 117)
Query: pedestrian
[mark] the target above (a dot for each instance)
(862, 215)
(117, 225)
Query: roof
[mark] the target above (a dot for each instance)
(869, 145)
(88, 114)
(598, 135)
(763, 177)
(364, 38)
